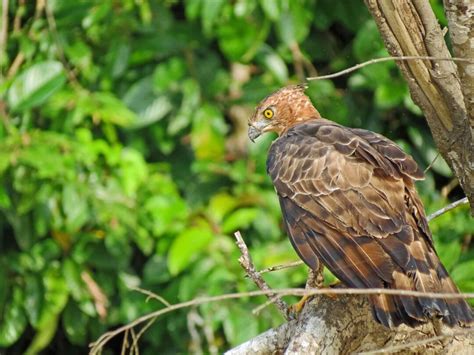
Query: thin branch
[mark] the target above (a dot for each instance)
(124, 342)
(134, 347)
(281, 267)
(151, 295)
(99, 344)
(431, 164)
(413, 344)
(142, 331)
(448, 208)
(386, 59)
(246, 262)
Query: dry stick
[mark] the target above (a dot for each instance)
(386, 59)
(281, 267)
(151, 295)
(431, 164)
(447, 208)
(124, 343)
(246, 262)
(96, 346)
(390, 349)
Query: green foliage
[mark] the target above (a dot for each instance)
(124, 160)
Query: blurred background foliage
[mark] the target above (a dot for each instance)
(124, 160)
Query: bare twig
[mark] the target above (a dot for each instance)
(431, 164)
(142, 331)
(151, 295)
(246, 263)
(413, 344)
(386, 59)
(281, 267)
(134, 347)
(447, 208)
(124, 342)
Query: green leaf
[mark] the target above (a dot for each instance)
(33, 298)
(187, 246)
(4, 198)
(274, 64)
(463, 272)
(167, 75)
(220, 205)
(13, 321)
(148, 106)
(208, 134)
(240, 39)
(241, 218)
(35, 85)
(271, 8)
(189, 104)
(75, 324)
(449, 253)
(238, 326)
(55, 296)
(75, 208)
(368, 43)
(390, 94)
(210, 13)
(294, 24)
(44, 335)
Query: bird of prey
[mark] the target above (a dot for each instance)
(348, 200)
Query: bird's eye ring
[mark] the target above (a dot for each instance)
(268, 113)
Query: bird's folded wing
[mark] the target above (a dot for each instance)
(344, 198)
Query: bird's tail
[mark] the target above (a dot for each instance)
(391, 310)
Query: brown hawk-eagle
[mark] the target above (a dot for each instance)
(348, 199)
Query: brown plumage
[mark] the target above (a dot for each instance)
(348, 199)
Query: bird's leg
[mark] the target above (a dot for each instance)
(315, 280)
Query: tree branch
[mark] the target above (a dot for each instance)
(246, 262)
(387, 59)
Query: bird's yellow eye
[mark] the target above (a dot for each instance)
(268, 113)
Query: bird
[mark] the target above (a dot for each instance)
(349, 201)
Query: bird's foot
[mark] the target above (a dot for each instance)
(298, 307)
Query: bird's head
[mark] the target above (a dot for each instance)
(281, 110)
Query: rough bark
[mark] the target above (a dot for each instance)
(344, 325)
(410, 28)
(460, 15)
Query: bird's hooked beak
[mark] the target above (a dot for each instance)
(256, 128)
(254, 133)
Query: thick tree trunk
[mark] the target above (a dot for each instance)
(460, 15)
(410, 28)
(344, 325)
